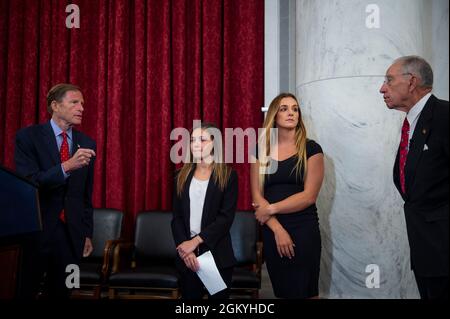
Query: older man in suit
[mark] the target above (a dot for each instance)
(60, 160)
(421, 170)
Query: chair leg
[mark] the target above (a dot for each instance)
(175, 294)
(97, 292)
(112, 293)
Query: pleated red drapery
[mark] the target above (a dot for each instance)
(145, 67)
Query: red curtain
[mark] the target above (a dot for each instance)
(145, 67)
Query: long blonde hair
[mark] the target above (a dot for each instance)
(300, 137)
(220, 171)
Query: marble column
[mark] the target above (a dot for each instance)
(341, 61)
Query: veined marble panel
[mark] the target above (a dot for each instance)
(361, 215)
(340, 67)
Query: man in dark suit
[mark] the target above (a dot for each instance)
(61, 161)
(421, 170)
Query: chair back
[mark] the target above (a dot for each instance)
(107, 226)
(153, 237)
(244, 236)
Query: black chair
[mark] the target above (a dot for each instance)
(146, 268)
(95, 268)
(247, 248)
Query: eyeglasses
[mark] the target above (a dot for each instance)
(388, 78)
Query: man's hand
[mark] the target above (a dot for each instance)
(81, 158)
(88, 248)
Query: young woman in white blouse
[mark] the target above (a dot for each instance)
(204, 205)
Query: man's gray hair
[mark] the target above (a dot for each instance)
(419, 67)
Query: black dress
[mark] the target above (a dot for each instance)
(297, 277)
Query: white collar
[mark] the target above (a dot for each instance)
(417, 109)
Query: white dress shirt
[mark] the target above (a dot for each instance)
(59, 139)
(414, 113)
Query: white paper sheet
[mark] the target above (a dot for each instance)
(209, 274)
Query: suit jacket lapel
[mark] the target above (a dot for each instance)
(417, 143)
(396, 172)
(208, 198)
(186, 202)
(75, 142)
(50, 143)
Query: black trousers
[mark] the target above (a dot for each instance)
(192, 287)
(53, 258)
(432, 287)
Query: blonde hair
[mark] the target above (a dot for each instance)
(300, 137)
(220, 171)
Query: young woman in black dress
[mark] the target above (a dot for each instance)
(284, 201)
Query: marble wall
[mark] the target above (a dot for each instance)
(439, 31)
(340, 66)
